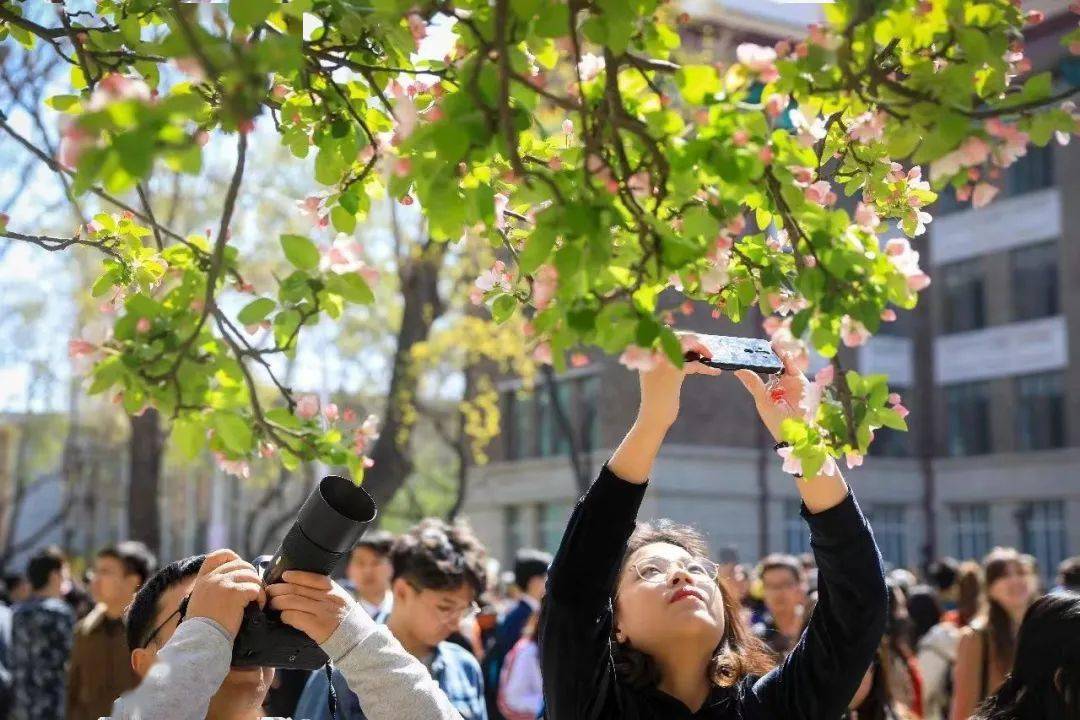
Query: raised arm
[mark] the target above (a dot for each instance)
(822, 673)
(575, 624)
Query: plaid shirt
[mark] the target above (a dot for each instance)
(41, 634)
(453, 667)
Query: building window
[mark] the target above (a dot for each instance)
(590, 413)
(521, 441)
(968, 418)
(1040, 416)
(553, 518)
(887, 520)
(1034, 171)
(971, 530)
(512, 530)
(1042, 527)
(1035, 281)
(964, 299)
(796, 534)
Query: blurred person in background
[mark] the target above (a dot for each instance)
(784, 592)
(1069, 574)
(41, 640)
(987, 646)
(905, 680)
(876, 699)
(100, 669)
(935, 642)
(943, 575)
(521, 688)
(369, 573)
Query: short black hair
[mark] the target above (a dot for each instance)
(530, 563)
(943, 573)
(134, 556)
(436, 556)
(1069, 570)
(43, 564)
(144, 608)
(379, 542)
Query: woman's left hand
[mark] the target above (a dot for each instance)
(780, 398)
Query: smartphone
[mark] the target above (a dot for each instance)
(739, 353)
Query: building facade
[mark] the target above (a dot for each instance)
(989, 363)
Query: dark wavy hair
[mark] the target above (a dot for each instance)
(434, 555)
(738, 654)
(1045, 678)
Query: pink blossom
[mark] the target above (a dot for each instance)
(638, 358)
(765, 155)
(984, 193)
(191, 67)
(854, 459)
(568, 126)
(821, 193)
(330, 412)
(783, 48)
(417, 27)
(542, 353)
(579, 360)
(888, 315)
(772, 325)
(740, 137)
(811, 400)
(759, 60)
(267, 449)
(902, 411)
(343, 257)
(476, 295)
(365, 435)
(809, 131)
(715, 276)
(1034, 17)
(74, 141)
(239, 468)
(279, 92)
(853, 332)
(775, 105)
(825, 375)
(501, 202)
(906, 261)
(307, 406)
(868, 127)
(79, 348)
(963, 193)
(143, 325)
(866, 217)
(496, 277)
(792, 465)
(311, 206)
(117, 87)
(590, 66)
(894, 399)
(544, 285)
(736, 225)
(803, 176)
(349, 415)
(787, 303)
(896, 173)
(973, 151)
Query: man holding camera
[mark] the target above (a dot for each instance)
(183, 621)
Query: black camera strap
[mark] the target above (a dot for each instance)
(331, 694)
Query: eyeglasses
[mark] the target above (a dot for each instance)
(657, 569)
(448, 614)
(180, 610)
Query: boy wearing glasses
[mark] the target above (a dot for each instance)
(439, 571)
(181, 627)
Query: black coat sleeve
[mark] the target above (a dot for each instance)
(820, 676)
(576, 619)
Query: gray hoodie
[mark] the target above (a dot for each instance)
(193, 664)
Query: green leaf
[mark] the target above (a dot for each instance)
(343, 220)
(697, 82)
(300, 251)
(234, 431)
(250, 12)
(503, 307)
(62, 102)
(352, 287)
(256, 311)
(669, 343)
(537, 248)
(189, 437)
(891, 419)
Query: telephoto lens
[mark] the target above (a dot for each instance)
(329, 523)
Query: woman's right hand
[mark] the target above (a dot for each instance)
(661, 386)
(780, 400)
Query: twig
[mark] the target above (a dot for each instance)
(54, 244)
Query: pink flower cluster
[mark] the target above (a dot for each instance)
(906, 261)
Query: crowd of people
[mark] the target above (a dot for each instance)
(628, 620)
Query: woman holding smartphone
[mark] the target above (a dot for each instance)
(637, 625)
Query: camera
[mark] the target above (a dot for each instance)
(331, 520)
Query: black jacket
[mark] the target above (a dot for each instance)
(815, 682)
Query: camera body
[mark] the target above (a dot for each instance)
(332, 519)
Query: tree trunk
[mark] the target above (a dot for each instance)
(146, 448)
(422, 306)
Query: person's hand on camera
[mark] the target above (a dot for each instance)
(661, 385)
(312, 603)
(225, 585)
(780, 399)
